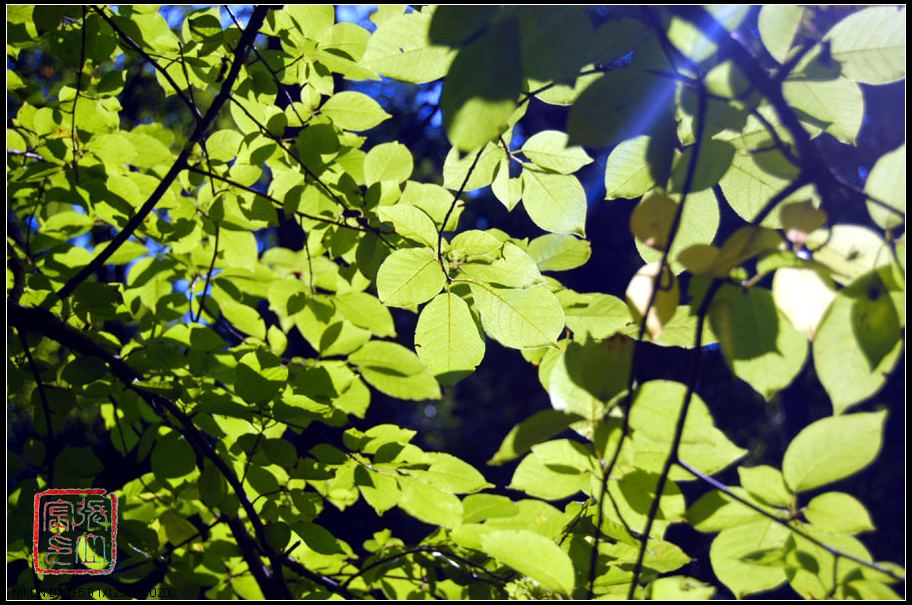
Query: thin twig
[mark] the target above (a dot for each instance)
(272, 72)
(274, 201)
(205, 148)
(528, 96)
(148, 58)
(699, 126)
(49, 447)
(215, 247)
(693, 378)
(449, 212)
(785, 522)
(73, 136)
(202, 125)
(498, 580)
(24, 154)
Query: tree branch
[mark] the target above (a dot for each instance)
(627, 404)
(256, 21)
(47, 324)
(771, 88)
(693, 378)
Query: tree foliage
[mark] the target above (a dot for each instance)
(148, 292)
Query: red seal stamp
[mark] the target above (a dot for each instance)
(75, 532)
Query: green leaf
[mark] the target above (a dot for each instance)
(280, 451)
(451, 25)
(388, 162)
(610, 110)
(741, 246)
(259, 377)
(849, 251)
(479, 94)
(380, 491)
(365, 311)
(67, 224)
(116, 149)
(410, 222)
(472, 244)
(555, 202)
(532, 555)
(401, 49)
(681, 588)
(429, 504)
(395, 370)
(352, 110)
(434, 200)
(836, 105)
(88, 556)
(634, 493)
(172, 457)
(212, 485)
(507, 189)
(558, 252)
(840, 513)
(548, 149)
(587, 376)
(660, 555)
(311, 20)
(594, 315)
(697, 43)
(456, 168)
(243, 317)
(664, 303)
(713, 162)
(870, 45)
(513, 269)
(537, 428)
(681, 330)
(759, 343)
(858, 343)
(409, 276)
(753, 179)
(870, 590)
(812, 568)
(177, 528)
(652, 220)
(767, 484)
(831, 449)
(654, 415)
(716, 510)
(778, 24)
(223, 145)
(803, 295)
(452, 475)
(540, 26)
(887, 184)
(519, 319)
(479, 507)
(447, 339)
(548, 482)
(634, 166)
(730, 551)
(566, 454)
